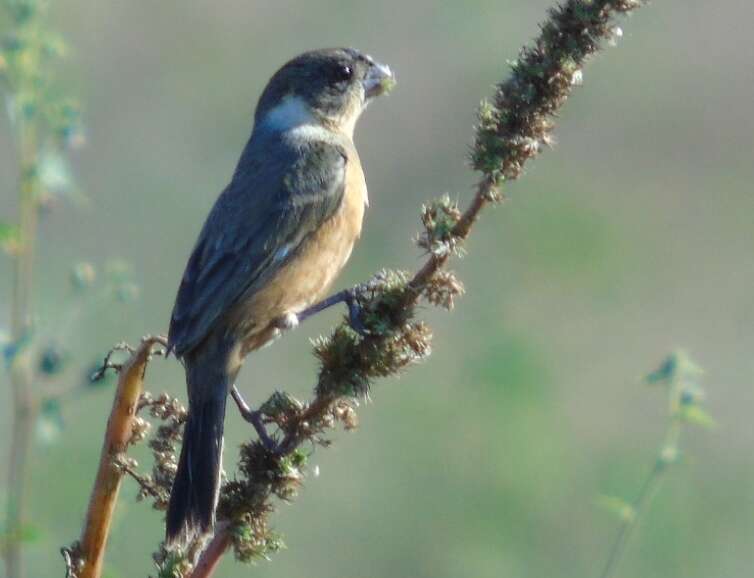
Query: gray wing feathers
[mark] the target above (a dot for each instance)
(256, 225)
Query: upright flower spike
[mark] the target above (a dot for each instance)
(517, 123)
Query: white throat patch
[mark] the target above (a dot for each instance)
(292, 112)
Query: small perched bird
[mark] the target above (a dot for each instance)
(273, 243)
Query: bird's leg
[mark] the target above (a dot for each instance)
(348, 296)
(255, 419)
(354, 310)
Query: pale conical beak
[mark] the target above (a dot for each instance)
(378, 80)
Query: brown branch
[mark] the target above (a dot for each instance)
(109, 475)
(213, 553)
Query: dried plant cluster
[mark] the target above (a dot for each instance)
(515, 125)
(512, 128)
(165, 444)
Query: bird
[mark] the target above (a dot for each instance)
(271, 246)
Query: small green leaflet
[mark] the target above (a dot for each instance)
(9, 237)
(618, 507)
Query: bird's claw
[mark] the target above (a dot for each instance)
(287, 321)
(355, 310)
(255, 418)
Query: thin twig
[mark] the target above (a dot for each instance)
(25, 404)
(680, 374)
(648, 489)
(146, 486)
(108, 362)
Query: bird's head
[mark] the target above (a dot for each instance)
(330, 87)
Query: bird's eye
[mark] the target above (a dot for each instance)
(343, 72)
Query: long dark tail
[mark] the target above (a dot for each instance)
(193, 499)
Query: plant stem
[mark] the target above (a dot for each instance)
(668, 452)
(24, 416)
(212, 554)
(109, 476)
(24, 402)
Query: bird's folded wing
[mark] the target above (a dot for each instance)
(279, 195)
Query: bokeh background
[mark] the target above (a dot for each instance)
(634, 236)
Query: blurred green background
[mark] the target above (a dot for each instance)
(632, 237)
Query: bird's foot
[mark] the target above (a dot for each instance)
(287, 321)
(348, 296)
(254, 417)
(355, 309)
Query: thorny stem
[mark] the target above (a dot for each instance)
(668, 452)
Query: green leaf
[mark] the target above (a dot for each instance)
(664, 373)
(53, 46)
(52, 359)
(118, 271)
(678, 365)
(26, 534)
(694, 414)
(618, 507)
(49, 426)
(9, 237)
(30, 534)
(11, 349)
(127, 292)
(83, 275)
(55, 174)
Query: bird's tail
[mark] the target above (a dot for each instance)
(193, 499)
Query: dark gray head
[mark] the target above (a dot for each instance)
(333, 85)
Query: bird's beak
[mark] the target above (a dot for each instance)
(378, 80)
